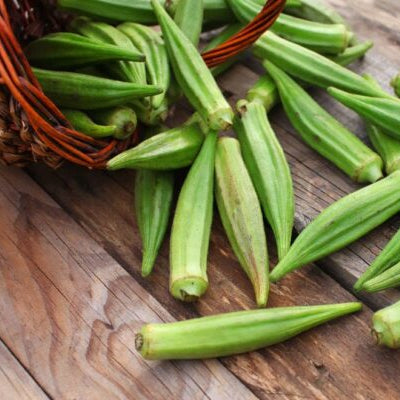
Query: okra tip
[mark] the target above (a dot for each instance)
(189, 289)
(221, 119)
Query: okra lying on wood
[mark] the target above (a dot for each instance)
(173, 149)
(269, 171)
(86, 92)
(241, 215)
(342, 223)
(65, 50)
(389, 256)
(386, 326)
(233, 333)
(382, 112)
(386, 280)
(191, 229)
(192, 74)
(324, 133)
(311, 67)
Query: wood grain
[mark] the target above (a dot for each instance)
(15, 382)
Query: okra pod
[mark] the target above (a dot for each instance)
(173, 149)
(382, 112)
(191, 228)
(153, 202)
(269, 171)
(124, 118)
(389, 256)
(324, 133)
(386, 326)
(386, 146)
(342, 223)
(233, 333)
(396, 85)
(192, 74)
(265, 92)
(386, 280)
(241, 215)
(86, 92)
(189, 16)
(83, 123)
(311, 67)
(352, 53)
(66, 50)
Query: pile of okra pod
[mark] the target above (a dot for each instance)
(108, 76)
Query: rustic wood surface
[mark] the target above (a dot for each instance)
(71, 294)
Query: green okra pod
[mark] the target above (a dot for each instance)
(389, 256)
(352, 53)
(311, 67)
(269, 171)
(233, 333)
(324, 133)
(264, 91)
(124, 118)
(342, 223)
(396, 85)
(241, 215)
(192, 74)
(386, 280)
(382, 112)
(173, 149)
(66, 50)
(191, 228)
(386, 326)
(154, 192)
(86, 92)
(83, 123)
(189, 16)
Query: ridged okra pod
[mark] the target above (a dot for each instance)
(115, 10)
(386, 146)
(342, 223)
(352, 53)
(241, 215)
(189, 17)
(173, 149)
(388, 257)
(324, 133)
(269, 171)
(396, 85)
(311, 67)
(124, 118)
(83, 123)
(65, 50)
(150, 43)
(191, 228)
(386, 326)
(192, 74)
(386, 280)
(86, 92)
(382, 112)
(233, 333)
(154, 192)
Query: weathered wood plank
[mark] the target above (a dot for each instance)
(15, 382)
(310, 366)
(69, 311)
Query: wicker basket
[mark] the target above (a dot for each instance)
(31, 127)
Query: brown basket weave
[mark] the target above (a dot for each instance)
(32, 128)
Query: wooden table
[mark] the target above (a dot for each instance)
(71, 295)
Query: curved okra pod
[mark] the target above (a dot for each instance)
(269, 171)
(396, 85)
(191, 228)
(382, 112)
(386, 280)
(153, 202)
(324, 133)
(389, 256)
(386, 326)
(83, 123)
(192, 74)
(352, 53)
(173, 149)
(86, 92)
(312, 67)
(241, 215)
(342, 223)
(233, 333)
(65, 50)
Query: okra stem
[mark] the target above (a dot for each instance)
(386, 326)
